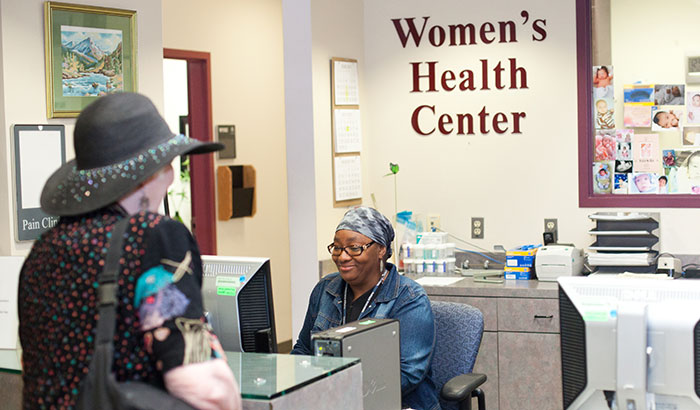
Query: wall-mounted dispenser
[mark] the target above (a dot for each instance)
(236, 186)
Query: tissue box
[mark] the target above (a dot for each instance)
(521, 257)
(518, 273)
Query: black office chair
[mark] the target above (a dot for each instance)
(458, 335)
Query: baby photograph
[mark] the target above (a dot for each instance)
(669, 94)
(603, 112)
(621, 184)
(688, 171)
(643, 183)
(624, 135)
(602, 82)
(663, 118)
(602, 178)
(691, 135)
(668, 158)
(623, 167)
(605, 146)
(692, 106)
(624, 150)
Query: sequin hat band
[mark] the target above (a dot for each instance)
(120, 140)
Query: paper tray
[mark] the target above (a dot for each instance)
(620, 248)
(625, 233)
(619, 216)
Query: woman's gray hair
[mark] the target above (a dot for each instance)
(370, 223)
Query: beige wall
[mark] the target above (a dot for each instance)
(514, 181)
(337, 31)
(24, 91)
(245, 42)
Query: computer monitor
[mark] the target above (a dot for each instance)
(237, 294)
(629, 341)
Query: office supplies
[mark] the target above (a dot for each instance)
(487, 275)
(670, 266)
(553, 261)
(631, 341)
(237, 294)
(376, 342)
(625, 242)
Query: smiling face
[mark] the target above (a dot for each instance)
(360, 272)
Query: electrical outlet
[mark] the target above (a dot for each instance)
(477, 228)
(550, 225)
(434, 222)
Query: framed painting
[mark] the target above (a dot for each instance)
(90, 52)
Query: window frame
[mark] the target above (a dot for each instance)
(587, 199)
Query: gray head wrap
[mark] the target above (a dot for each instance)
(370, 223)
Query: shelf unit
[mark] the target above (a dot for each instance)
(624, 242)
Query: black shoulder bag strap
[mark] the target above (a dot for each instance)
(99, 389)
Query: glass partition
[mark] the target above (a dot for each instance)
(266, 376)
(639, 103)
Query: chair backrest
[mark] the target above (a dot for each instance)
(458, 329)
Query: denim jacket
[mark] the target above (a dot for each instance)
(398, 298)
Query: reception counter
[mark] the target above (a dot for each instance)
(267, 381)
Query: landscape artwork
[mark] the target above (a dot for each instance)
(92, 62)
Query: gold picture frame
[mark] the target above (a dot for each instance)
(90, 51)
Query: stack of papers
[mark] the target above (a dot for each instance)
(437, 280)
(621, 259)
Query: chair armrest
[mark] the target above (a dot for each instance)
(460, 387)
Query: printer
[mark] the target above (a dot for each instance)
(552, 261)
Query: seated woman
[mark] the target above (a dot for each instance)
(367, 286)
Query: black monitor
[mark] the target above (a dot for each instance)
(237, 293)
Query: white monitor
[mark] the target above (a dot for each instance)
(630, 343)
(237, 295)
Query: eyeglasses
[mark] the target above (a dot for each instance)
(350, 250)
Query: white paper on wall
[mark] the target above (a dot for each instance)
(9, 279)
(38, 160)
(348, 177)
(346, 86)
(348, 131)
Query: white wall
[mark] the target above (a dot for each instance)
(247, 74)
(24, 89)
(299, 119)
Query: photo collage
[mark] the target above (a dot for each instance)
(656, 149)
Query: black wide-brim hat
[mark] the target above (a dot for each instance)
(120, 140)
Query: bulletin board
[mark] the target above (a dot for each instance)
(346, 133)
(39, 150)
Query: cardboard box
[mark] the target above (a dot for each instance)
(518, 273)
(521, 257)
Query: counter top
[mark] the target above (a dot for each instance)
(509, 288)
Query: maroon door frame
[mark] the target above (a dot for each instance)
(202, 166)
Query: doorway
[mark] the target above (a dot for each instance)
(194, 200)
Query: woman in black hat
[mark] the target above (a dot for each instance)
(123, 150)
